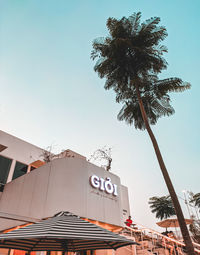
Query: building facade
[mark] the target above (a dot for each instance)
(35, 184)
(32, 189)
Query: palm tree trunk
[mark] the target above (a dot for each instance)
(179, 213)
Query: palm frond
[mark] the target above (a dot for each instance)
(150, 24)
(135, 21)
(155, 33)
(162, 206)
(162, 107)
(196, 199)
(131, 113)
(159, 49)
(112, 24)
(171, 85)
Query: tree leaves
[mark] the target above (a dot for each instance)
(162, 206)
(130, 55)
(195, 199)
(171, 85)
(134, 19)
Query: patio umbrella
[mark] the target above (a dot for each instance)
(63, 232)
(172, 223)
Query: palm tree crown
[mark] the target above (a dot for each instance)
(162, 206)
(132, 55)
(130, 50)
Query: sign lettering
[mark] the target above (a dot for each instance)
(103, 185)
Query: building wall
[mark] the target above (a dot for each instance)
(125, 203)
(63, 185)
(18, 150)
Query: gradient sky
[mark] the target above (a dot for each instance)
(51, 95)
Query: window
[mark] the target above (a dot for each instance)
(5, 164)
(20, 169)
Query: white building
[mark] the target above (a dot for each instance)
(32, 189)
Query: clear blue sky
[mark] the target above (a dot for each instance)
(50, 93)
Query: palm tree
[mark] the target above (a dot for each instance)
(130, 59)
(162, 206)
(195, 199)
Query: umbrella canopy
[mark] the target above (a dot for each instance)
(63, 232)
(172, 223)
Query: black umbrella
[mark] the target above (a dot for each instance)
(63, 232)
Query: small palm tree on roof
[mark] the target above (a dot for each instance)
(130, 59)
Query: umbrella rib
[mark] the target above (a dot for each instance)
(35, 244)
(110, 245)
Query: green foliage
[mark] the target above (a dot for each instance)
(132, 54)
(195, 230)
(131, 49)
(162, 206)
(195, 199)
